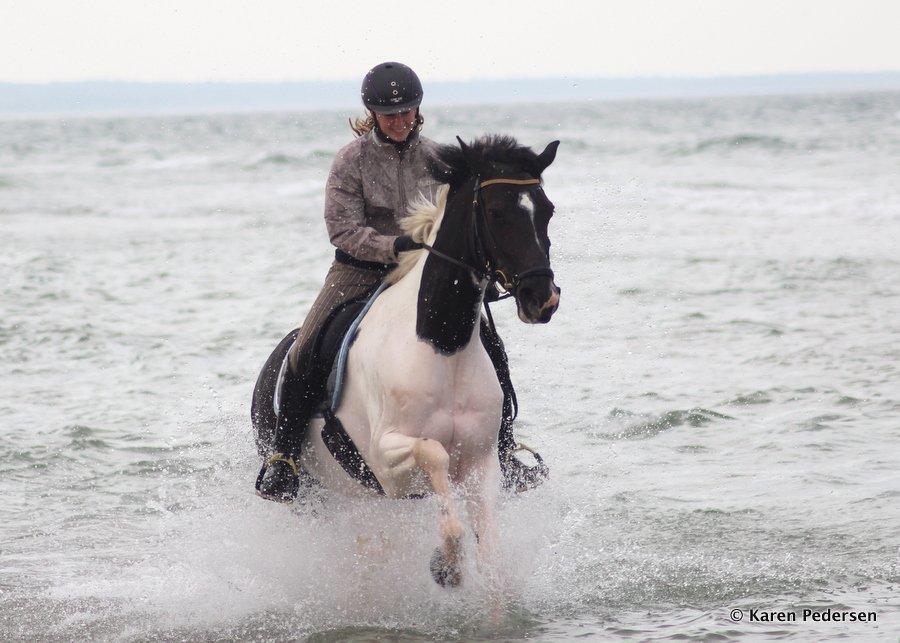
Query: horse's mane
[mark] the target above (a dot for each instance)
(419, 224)
(454, 165)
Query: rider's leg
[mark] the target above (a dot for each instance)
(515, 474)
(304, 381)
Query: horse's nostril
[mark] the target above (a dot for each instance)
(526, 294)
(553, 302)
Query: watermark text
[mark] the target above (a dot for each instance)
(806, 615)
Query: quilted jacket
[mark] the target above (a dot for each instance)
(369, 188)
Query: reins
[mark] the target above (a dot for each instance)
(489, 273)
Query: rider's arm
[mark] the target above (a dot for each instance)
(345, 212)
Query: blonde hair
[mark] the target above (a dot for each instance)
(421, 223)
(362, 126)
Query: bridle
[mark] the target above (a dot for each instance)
(485, 269)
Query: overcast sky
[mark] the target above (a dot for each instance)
(275, 40)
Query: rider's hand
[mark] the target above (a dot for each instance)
(405, 243)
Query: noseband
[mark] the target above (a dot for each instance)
(486, 270)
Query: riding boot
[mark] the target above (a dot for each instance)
(282, 476)
(516, 475)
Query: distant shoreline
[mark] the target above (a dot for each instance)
(111, 98)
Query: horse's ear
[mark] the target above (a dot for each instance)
(468, 155)
(546, 157)
(463, 146)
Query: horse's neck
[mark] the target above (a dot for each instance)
(449, 296)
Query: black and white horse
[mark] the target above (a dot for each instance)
(421, 401)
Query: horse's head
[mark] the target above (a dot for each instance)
(511, 216)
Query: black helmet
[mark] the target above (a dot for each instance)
(389, 88)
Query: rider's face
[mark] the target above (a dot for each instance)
(397, 126)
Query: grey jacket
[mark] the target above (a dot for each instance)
(368, 190)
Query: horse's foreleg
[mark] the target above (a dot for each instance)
(482, 480)
(487, 534)
(433, 459)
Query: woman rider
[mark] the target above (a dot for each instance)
(368, 188)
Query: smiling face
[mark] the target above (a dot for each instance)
(397, 126)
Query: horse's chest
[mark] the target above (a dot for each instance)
(420, 393)
(460, 390)
(458, 402)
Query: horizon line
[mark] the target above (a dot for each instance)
(654, 76)
(110, 97)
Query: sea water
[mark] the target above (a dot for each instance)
(717, 397)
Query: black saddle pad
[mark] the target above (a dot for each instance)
(318, 361)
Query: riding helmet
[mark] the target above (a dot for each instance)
(392, 87)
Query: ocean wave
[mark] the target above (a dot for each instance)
(839, 268)
(276, 159)
(652, 425)
(751, 399)
(739, 142)
(745, 140)
(82, 437)
(279, 159)
(765, 328)
(821, 422)
(114, 161)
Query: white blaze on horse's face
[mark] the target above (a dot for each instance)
(527, 204)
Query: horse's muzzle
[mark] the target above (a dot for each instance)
(537, 299)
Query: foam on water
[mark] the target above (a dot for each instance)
(200, 553)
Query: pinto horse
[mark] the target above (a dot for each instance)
(421, 401)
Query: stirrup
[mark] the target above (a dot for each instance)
(280, 457)
(519, 475)
(272, 459)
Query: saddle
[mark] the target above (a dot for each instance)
(324, 361)
(323, 366)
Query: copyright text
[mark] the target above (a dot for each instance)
(804, 615)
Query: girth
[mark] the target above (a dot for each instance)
(343, 449)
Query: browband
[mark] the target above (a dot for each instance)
(484, 184)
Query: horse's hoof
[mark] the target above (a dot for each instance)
(444, 573)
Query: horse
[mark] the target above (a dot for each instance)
(421, 402)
